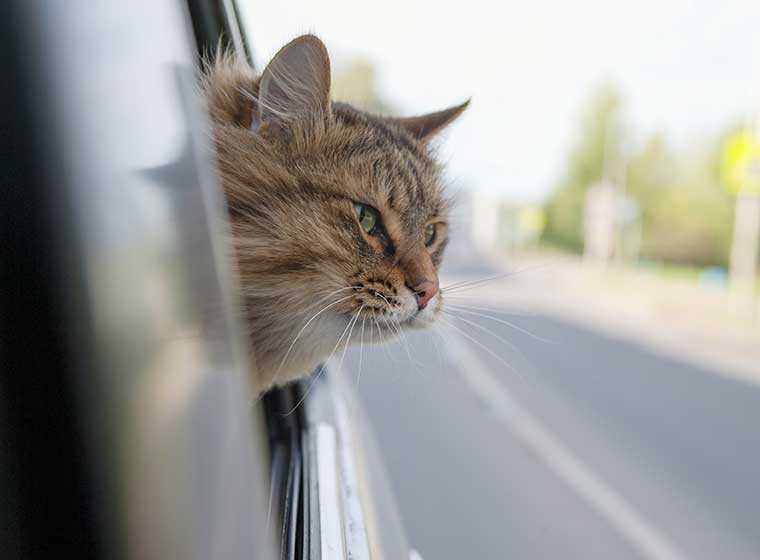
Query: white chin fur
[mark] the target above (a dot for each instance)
(412, 318)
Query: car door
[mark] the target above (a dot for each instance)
(127, 426)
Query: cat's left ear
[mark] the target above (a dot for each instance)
(424, 127)
(294, 86)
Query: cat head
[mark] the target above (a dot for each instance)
(338, 217)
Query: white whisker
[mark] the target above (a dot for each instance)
(385, 347)
(504, 322)
(405, 343)
(458, 303)
(484, 329)
(484, 347)
(397, 329)
(292, 344)
(324, 364)
(440, 350)
(326, 297)
(348, 340)
(469, 284)
(361, 353)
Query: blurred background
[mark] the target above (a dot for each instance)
(598, 397)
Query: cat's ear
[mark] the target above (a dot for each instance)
(294, 86)
(424, 127)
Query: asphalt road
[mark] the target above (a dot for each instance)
(575, 445)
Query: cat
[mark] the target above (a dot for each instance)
(336, 215)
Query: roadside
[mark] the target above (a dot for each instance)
(674, 316)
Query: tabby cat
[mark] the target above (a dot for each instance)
(338, 217)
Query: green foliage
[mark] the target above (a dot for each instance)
(596, 152)
(686, 216)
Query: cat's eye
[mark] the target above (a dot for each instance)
(429, 234)
(368, 217)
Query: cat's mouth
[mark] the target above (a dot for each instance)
(421, 318)
(391, 314)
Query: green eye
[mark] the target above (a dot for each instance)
(429, 234)
(367, 216)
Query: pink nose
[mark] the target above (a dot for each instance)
(424, 292)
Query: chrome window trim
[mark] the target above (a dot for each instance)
(353, 520)
(343, 521)
(332, 544)
(230, 13)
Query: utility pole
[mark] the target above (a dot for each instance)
(741, 175)
(601, 223)
(744, 254)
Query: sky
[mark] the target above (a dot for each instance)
(686, 69)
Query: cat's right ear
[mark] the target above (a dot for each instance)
(295, 86)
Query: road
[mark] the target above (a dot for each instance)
(569, 443)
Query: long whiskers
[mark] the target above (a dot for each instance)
(396, 327)
(469, 284)
(361, 352)
(348, 340)
(384, 346)
(298, 336)
(481, 345)
(484, 329)
(407, 347)
(459, 299)
(461, 309)
(326, 297)
(349, 327)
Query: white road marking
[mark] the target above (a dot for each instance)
(621, 515)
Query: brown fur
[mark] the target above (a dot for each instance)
(293, 164)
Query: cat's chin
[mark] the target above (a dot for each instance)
(428, 316)
(288, 365)
(423, 319)
(420, 322)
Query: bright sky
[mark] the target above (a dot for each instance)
(685, 68)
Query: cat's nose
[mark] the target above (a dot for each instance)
(424, 292)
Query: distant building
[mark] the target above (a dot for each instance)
(492, 222)
(600, 223)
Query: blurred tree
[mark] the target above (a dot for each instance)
(356, 83)
(686, 214)
(596, 154)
